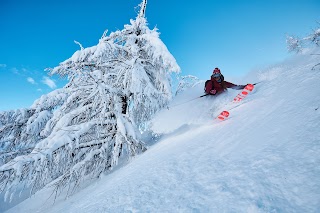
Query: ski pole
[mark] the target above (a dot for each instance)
(203, 95)
(257, 83)
(188, 101)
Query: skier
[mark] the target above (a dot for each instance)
(217, 84)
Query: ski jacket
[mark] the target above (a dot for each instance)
(212, 84)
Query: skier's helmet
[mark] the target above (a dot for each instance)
(216, 72)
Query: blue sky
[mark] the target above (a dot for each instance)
(235, 35)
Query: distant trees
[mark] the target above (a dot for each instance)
(84, 129)
(296, 44)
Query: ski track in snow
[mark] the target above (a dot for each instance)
(265, 158)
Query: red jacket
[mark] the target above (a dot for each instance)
(213, 84)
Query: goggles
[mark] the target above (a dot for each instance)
(216, 75)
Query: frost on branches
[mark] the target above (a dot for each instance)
(185, 82)
(84, 129)
(297, 45)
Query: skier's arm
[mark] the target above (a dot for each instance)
(234, 86)
(209, 88)
(238, 87)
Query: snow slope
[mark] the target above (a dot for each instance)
(265, 158)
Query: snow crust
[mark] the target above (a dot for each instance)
(264, 158)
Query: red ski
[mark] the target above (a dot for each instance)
(247, 89)
(225, 114)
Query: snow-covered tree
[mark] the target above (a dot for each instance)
(185, 82)
(295, 44)
(83, 129)
(20, 129)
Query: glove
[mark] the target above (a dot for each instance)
(213, 92)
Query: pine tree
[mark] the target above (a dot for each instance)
(84, 129)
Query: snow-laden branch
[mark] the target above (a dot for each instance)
(81, 47)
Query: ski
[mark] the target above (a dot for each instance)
(223, 115)
(246, 90)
